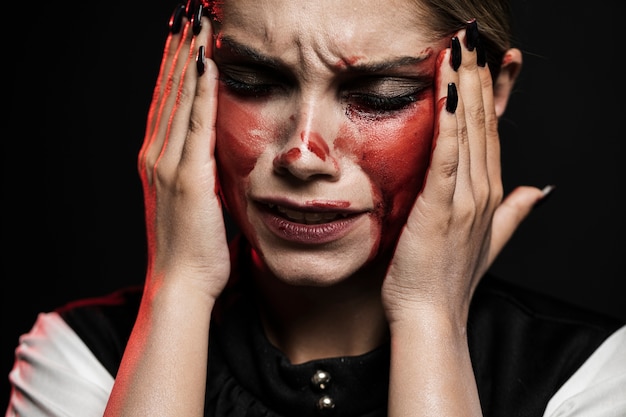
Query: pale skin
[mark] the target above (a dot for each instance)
(453, 227)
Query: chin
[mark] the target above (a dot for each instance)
(320, 267)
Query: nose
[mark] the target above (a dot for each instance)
(308, 152)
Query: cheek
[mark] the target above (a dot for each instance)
(395, 154)
(238, 146)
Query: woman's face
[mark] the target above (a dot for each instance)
(324, 128)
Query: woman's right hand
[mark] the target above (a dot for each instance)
(188, 257)
(185, 225)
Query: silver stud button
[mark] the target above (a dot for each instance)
(325, 403)
(320, 379)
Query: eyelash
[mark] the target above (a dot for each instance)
(248, 89)
(380, 104)
(360, 102)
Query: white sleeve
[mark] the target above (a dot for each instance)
(598, 387)
(55, 374)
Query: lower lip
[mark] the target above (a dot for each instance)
(309, 234)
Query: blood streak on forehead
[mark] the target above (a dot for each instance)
(347, 62)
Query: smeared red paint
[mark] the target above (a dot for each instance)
(347, 62)
(237, 150)
(316, 144)
(441, 104)
(394, 152)
(288, 157)
(391, 150)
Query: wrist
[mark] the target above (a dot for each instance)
(426, 319)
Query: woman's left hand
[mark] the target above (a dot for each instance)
(459, 222)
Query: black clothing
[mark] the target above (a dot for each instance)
(523, 346)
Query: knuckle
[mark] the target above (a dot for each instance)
(477, 114)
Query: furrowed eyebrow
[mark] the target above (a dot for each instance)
(230, 46)
(387, 65)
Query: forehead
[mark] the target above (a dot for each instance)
(329, 30)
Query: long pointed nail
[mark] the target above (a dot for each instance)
(481, 58)
(201, 61)
(190, 8)
(455, 55)
(196, 20)
(177, 18)
(547, 192)
(471, 35)
(453, 98)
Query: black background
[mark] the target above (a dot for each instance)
(79, 83)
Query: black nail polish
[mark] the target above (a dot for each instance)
(177, 19)
(201, 61)
(190, 8)
(196, 20)
(456, 53)
(481, 58)
(453, 98)
(471, 35)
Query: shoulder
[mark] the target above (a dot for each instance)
(598, 387)
(55, 373)
(514, 303)
(526, 345)
(503, 312)
(104, 323)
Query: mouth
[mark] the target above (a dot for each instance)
(307, 217)
(317, 223)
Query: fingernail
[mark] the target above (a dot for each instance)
(453, 99)
(177, 18)
(200, 61)
(190, 8)
(471, 35)
(481, 58)
(196, 20)
(547, 192)
(455, 56)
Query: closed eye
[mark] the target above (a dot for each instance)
(384, 94)
(252, 82)
(380, 103)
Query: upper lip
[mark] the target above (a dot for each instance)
(311, 206)
(312, 212)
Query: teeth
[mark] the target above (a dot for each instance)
(307, 217)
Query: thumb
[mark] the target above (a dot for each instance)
(510, 214)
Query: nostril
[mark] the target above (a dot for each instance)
(287, 158)
(309, 160)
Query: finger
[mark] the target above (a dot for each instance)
(466, 132)
(172, 44)
(510, 214)
(492, 138)
(176, 23)
(174, 107)
(440, 180)
(471, 89)
(200, 144)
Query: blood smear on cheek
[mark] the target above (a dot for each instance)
(394, 153)
(239, 139)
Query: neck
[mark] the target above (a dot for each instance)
(307, 323)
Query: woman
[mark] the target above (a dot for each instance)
(356, 148)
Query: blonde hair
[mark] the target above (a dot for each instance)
(493, 18)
